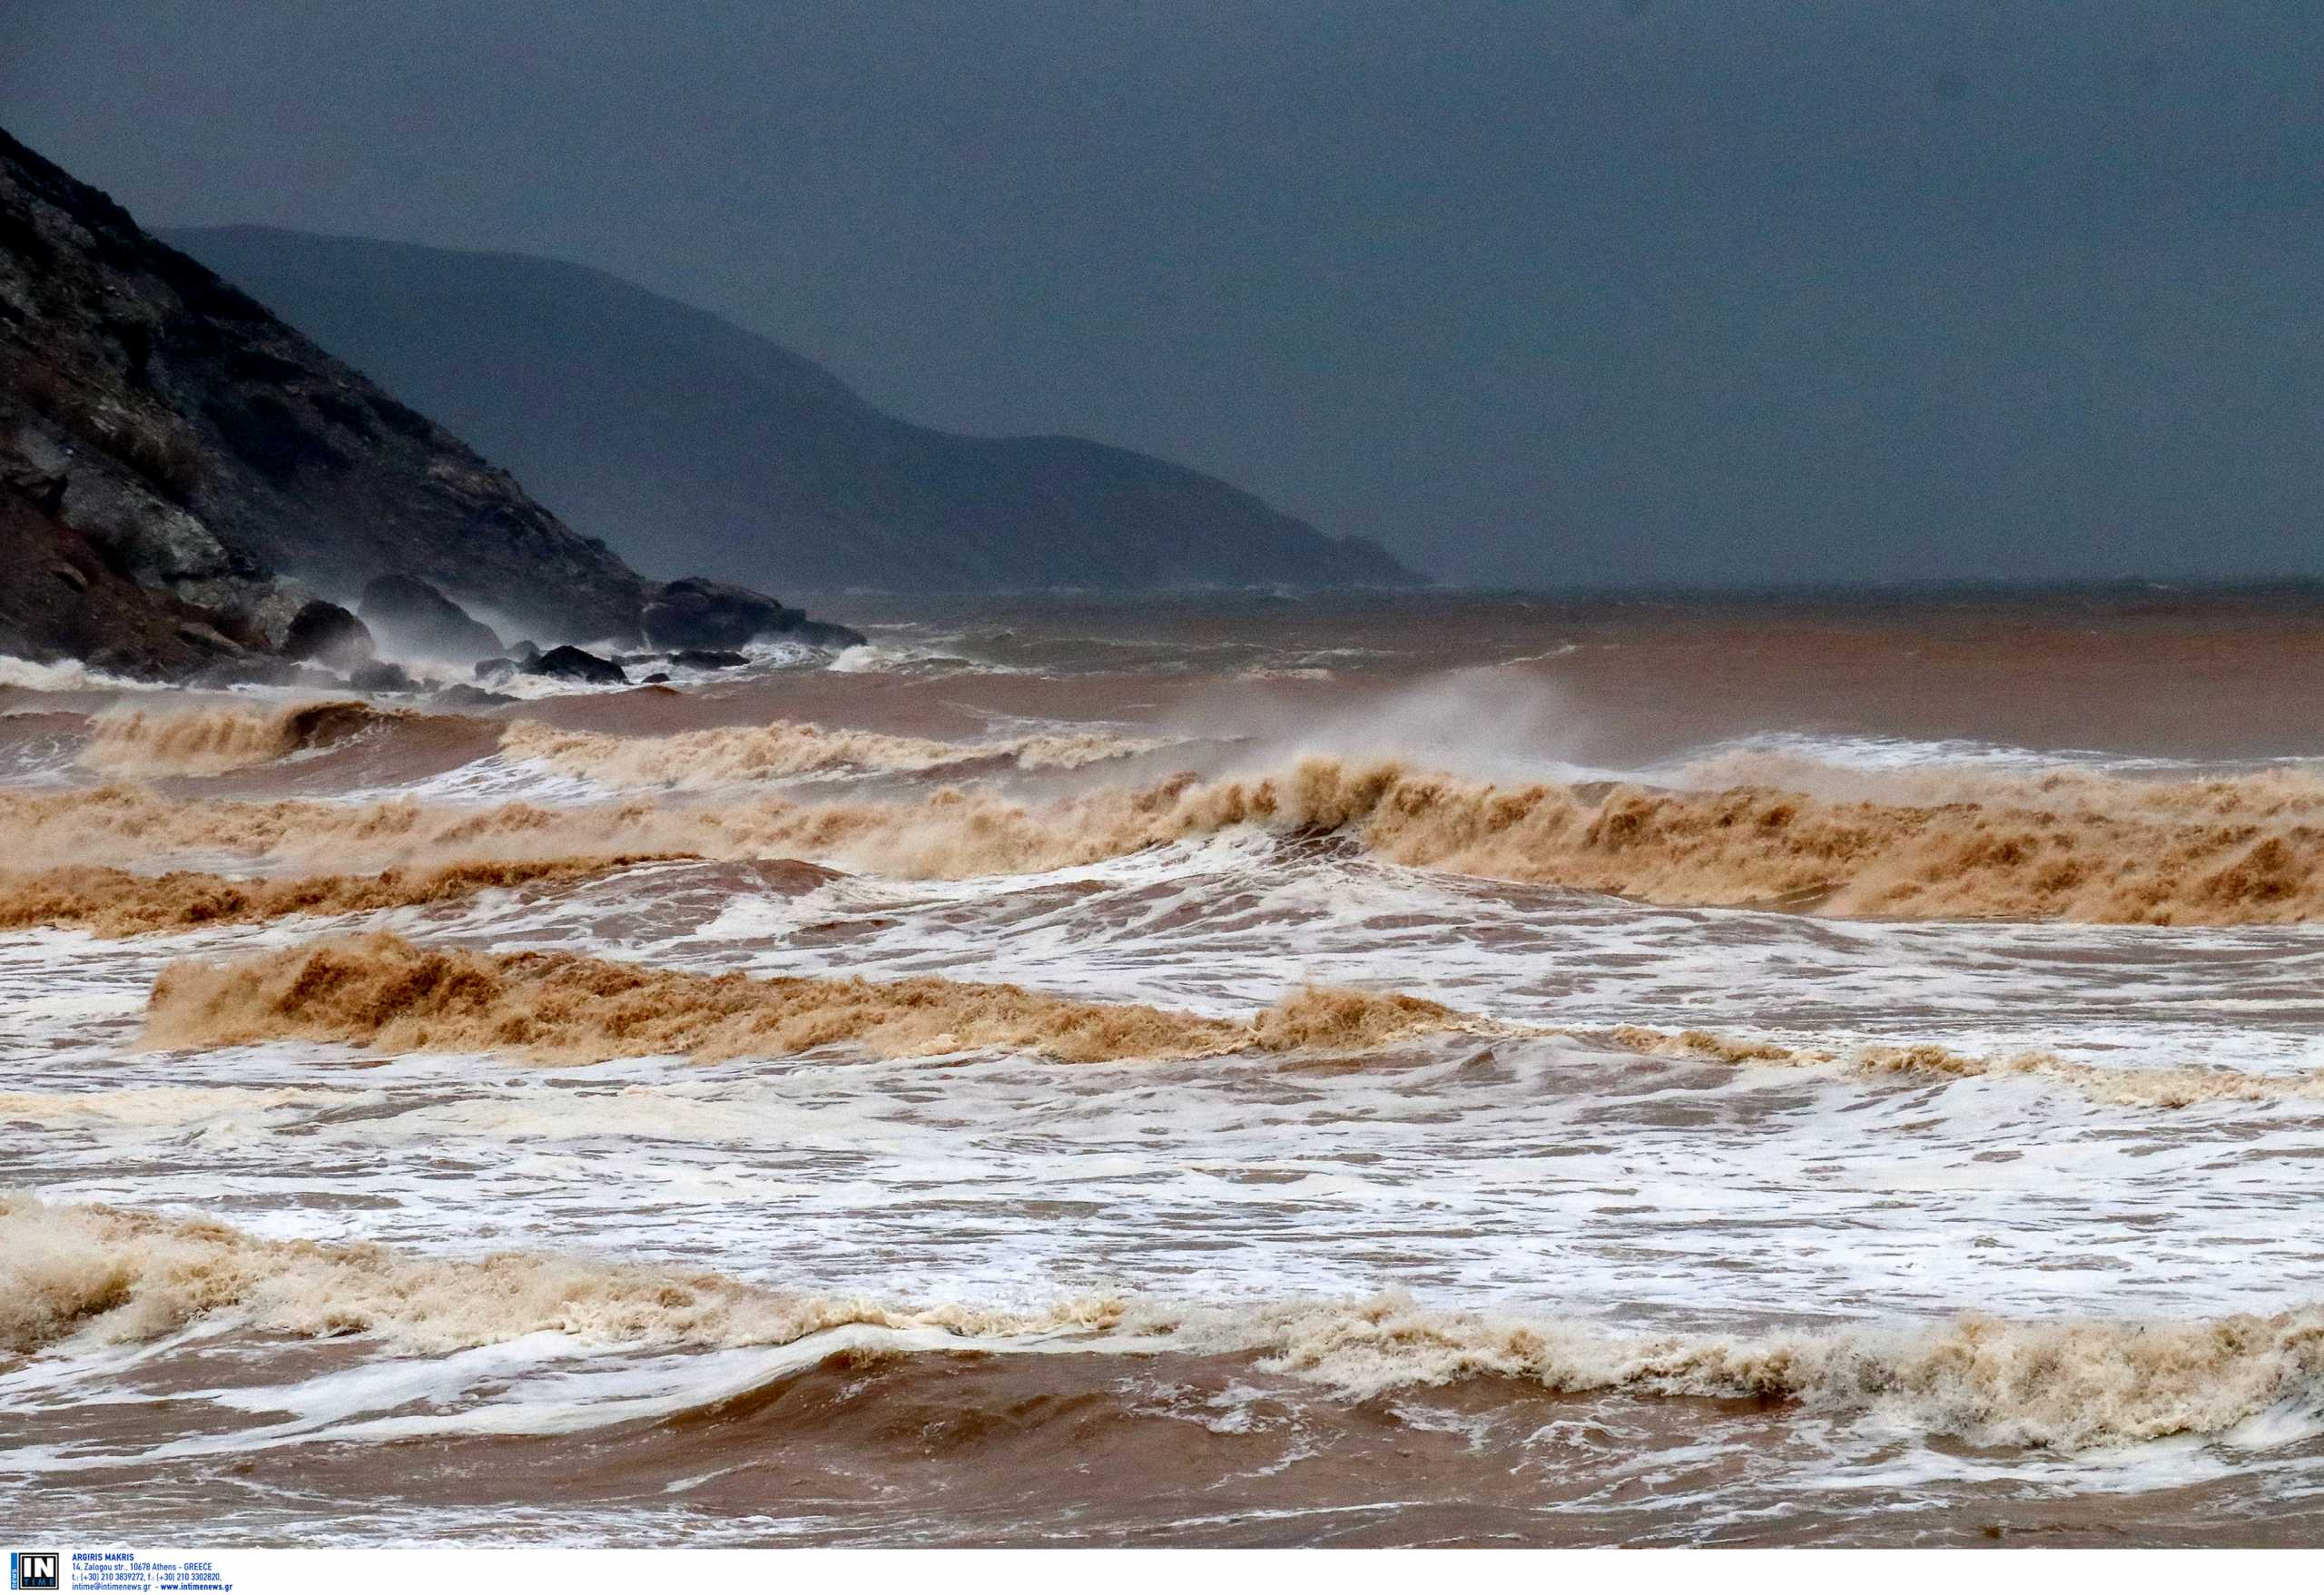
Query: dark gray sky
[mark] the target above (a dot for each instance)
(1592, 292)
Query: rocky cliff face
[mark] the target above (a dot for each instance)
(684, 440)
(181, 472)
(62, 596)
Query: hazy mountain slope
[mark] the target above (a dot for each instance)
(682, 440)
(159, 421)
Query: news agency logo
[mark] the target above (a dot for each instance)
(33, 1569)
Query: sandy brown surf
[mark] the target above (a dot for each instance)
(2208, 853)
(111, 902)
(382, 991)
(788, 750)
(2122, 1087)
(104, 1274)
(966, 1448)
(211, 739)
(206, 739)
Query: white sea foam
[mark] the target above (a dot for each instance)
(65, 675)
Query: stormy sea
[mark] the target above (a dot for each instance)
(1242, 1069)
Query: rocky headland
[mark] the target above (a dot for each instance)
(190, 488)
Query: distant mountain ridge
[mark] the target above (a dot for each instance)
(682, 440)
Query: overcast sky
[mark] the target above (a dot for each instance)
(1595, 292)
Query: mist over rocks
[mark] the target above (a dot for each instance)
(417, 619)
(563, 662)
(382, 675)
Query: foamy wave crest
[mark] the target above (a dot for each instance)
(2122, 1087)
(1745, 847)
(120, 822)
(905, 659)
(2066, 1385)
(729, 756)
(154, 1106)
(113, 1275)
(382, 991)
(215, 741)
(114, 903)
(65, 675)
(99, 1274)
(1891, 771)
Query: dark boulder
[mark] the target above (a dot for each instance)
(461, 695)
(826, 633)
(410, 617)
(696, 612)
(330, 635)
(571, 664)
(709, 658)
(498, 669)
(258, 670)
(380, 676)
(203, 634)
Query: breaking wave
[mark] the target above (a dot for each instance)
(1751, 846)
(107, 1275)
(117, 1275)
(122, 821)
(217, 741)
(2186, 861)
(381, 990)
(1927, 775)
(2066, 1385)
(65, 675)
(727, 756)
(115, 902)
(2121, 1088)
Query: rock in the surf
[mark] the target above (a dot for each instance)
(696, 613)
(328, 635)
(571, 664)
